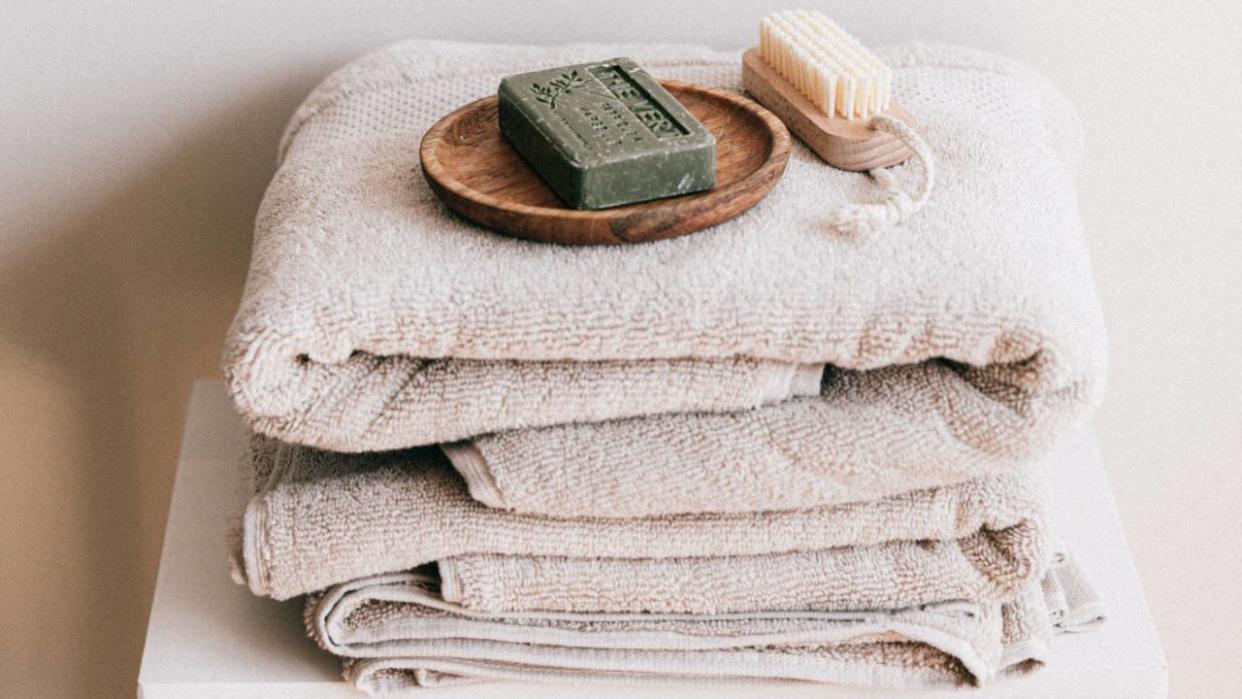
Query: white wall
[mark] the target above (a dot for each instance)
(136, 139)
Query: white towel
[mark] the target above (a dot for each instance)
(322, 518)
(373, 318)
(397, 632)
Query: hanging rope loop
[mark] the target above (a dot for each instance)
(897, 205)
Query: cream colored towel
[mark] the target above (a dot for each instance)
(398, 631)
(375, 319)
(322, 518)
(869, 436)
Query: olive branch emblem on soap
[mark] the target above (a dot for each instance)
(567, 83)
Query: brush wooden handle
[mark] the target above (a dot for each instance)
(842, 143)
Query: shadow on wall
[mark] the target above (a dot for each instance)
(107, 321)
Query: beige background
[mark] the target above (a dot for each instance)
(136, 140)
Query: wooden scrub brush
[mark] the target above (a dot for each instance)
(831, 91)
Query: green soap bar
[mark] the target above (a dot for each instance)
(605, 134)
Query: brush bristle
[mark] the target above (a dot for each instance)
(829, 67)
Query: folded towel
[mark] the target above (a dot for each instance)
(375, 319)
(321, 518)
(870, 435)
(398, 631)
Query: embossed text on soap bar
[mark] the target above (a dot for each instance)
(636, 99)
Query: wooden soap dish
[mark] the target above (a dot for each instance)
(479, 175)
(844, 144)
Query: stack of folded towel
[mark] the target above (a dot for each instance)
(764, 451)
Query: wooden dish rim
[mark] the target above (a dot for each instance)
(776, 158)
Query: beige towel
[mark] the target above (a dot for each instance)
(322, 518)
(375, 319)
(869, 436)
(398, 631)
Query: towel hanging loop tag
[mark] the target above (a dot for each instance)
(897, 205)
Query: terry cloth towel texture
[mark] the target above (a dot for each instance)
(400, 631)
(375, 319)
(932, 611)
(322, 518)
